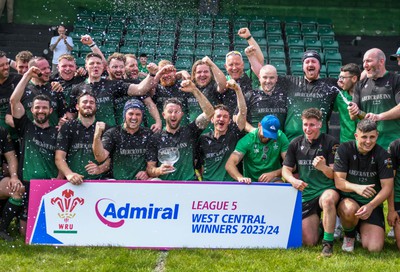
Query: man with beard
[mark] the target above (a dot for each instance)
(261, 151)
(74, 155)
(116, 71)
(312, 154)
(306, 92)
(39, 84)
(107, 91)
(210, 80)
(215, 147)
(38, 137)
(270, 98)
(131, 67)
(348, 78)
(182, 137)
(124, 144)
(378, 96)
(169, 86)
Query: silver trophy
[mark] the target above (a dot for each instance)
(169, 156)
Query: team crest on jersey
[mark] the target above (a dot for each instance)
(388, 163)
(372, 160)
(302, 147)
(354, 157)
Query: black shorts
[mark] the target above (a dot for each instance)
(376, 218)
(311, 207)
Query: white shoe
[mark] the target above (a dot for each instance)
(348, 244)
(391, 233)
(338, 232)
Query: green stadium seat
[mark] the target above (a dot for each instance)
(75, 53)
(275, 42)
(313, 45)
(239, 25)
(185, 50)
(258, 34)
(240, 41)
(187, 38)
(220, 51)
(184, 63)
(295, 43)
(204, 38)
(326, 33)
(296, 56)
(201, 52)
(109, 49)
(333, 58)
(262, 42)
(281, 68)
(276, 48)
(329, 44)
(277, 55)
(221, 40)
(292, 31)
(297, 67)
(333, 69)
(80, 62)
(128, 49)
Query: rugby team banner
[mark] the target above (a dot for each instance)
(164, 214)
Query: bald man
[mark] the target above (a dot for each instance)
(378, 95)
(270, 98)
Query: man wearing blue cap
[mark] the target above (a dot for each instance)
(261, 151)
(312, 154)
(125, 144)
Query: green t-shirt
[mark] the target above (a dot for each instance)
(260, 158)
(377, 96)
(347, 126)
(38, 150)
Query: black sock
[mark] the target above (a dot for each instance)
(10, 210)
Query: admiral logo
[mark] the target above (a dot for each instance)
(114, 216)
(67, 204)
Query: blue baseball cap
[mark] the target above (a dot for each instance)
(270, 125)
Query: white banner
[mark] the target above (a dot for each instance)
(164, 214)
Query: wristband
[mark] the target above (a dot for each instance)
(93, 44)
(249, 37)
(152, 75)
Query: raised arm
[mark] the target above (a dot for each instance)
(240, 118)
(100, 153)
(219, 76)
(245, 34)
(255, 64)
(87, 40)
(17, 109)
(146, 84)
(208, 110)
